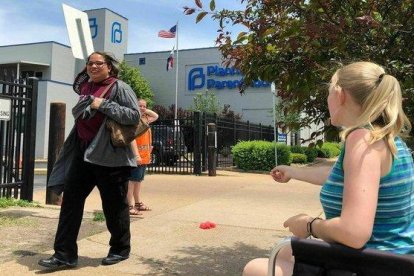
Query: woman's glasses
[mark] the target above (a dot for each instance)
(97, 63)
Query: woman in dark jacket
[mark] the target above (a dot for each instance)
(88, 158)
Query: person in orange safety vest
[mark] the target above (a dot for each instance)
(142, 147)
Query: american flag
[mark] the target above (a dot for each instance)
(168, 34)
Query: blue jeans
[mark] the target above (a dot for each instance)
(138, 173)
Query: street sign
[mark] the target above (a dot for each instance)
(282, 137)
(5, 109)
(80, 38)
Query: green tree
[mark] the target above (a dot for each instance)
(299, 44)
(287, 121)
(206, 102)
(132, 76)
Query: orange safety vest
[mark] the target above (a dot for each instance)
(144, 144)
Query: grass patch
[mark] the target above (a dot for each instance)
(7, 221)
(98, 216)
(9, 202)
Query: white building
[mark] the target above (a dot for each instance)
(200, 70)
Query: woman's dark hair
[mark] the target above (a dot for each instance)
(110, 60)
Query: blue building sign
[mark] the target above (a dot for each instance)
(94, 27)
(116, 33)
(197, 79)
(116, 30)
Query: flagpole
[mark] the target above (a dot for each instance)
(176, 77)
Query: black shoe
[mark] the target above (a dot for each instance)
(113, 259)
(54, 262)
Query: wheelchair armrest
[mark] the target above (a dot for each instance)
(337, 257)
(273, 255)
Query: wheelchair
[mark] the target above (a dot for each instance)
(316, 257)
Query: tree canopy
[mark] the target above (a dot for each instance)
(299, 44)
(132, 76)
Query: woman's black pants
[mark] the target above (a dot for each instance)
(112, 183)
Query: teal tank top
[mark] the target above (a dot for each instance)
(394, 219)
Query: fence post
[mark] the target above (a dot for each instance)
(234, 131)
(203, 124)
(248, 129)
(56, 139)
(212, 148)
(30, 141)
(260, 129)
(198, 131)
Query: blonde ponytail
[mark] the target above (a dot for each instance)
(379, 95)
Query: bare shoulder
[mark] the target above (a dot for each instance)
(360, 140)
(359, 134)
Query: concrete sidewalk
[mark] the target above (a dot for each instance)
(249, 210)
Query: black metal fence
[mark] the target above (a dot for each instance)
(173, 146)
(18, 101)
(231, 131)
(181, 146)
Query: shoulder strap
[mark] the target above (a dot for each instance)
(107, 88)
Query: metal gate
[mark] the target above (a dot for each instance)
(174, 149)
(18, 106)
(229, 133)
(180, 146)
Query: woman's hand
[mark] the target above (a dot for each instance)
(298, 225)
(138, 159)
(96, 103)
(281, 173)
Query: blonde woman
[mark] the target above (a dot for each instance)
(142, 147)
(367, 196)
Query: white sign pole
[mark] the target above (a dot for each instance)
(273, 90)
(176, 76)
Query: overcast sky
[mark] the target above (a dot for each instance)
(28, 21)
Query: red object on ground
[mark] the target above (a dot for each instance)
(207, 225)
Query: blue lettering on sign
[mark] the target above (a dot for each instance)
(282, 137)
(219, 71)
(116, 33)
(94, 27)
(230, 84)
(197, 78)
(194, 75)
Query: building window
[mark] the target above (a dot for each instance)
(27, 74)
(141, 61)
(39, 75)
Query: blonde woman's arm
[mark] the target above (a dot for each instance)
(313, 175)
(134, 148)
(151, 115)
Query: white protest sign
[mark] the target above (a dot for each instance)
(80, 38)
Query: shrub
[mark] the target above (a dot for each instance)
(225, 151)
(323, 153)
(329, 150)
(334, 144)
(260, 155)
(297, 149)
(299, 158)
(311, 153)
